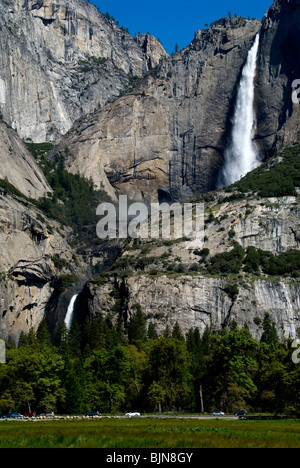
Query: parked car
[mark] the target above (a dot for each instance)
(218, 413)
(92, 414)
(242, 412)
(133, 415)
(47, 415)
(16, 415)
(30, 415)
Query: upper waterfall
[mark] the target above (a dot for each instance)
(241, 155)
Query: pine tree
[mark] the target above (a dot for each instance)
(75, 337)
(137, 326)
(269, 335)
(43, 335)
(75, 383)
(61, 340)
(177, 333)
(152, 333)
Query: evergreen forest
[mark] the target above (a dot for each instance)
(107, 368)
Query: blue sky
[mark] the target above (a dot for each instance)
(177, 21)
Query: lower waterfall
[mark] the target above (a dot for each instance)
(70, 312)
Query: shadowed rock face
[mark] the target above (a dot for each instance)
(278, 118)
(165, 139)
(61, 59)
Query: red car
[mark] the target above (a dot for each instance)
(30, 415)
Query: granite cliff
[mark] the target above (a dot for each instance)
(61, 59)
(165, 140)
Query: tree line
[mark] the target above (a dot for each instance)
(97, 366)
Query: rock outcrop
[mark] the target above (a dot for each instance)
(18, 167)
(61, 59)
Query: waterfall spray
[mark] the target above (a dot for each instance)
(70, 312)
(241, 156)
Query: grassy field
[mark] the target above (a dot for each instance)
(150, 433)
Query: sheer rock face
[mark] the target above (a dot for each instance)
(195, 301)
(18, 167)
(278, 67)
(165, 140)
(61, 59)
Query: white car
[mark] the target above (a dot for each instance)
(218, 413)
(133, 415)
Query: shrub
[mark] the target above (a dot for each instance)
(252, 260)
(227, 262)
(204, 253)
(65, 281)
(285, 263)
(231, 290)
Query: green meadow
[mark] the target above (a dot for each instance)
(150, 433)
